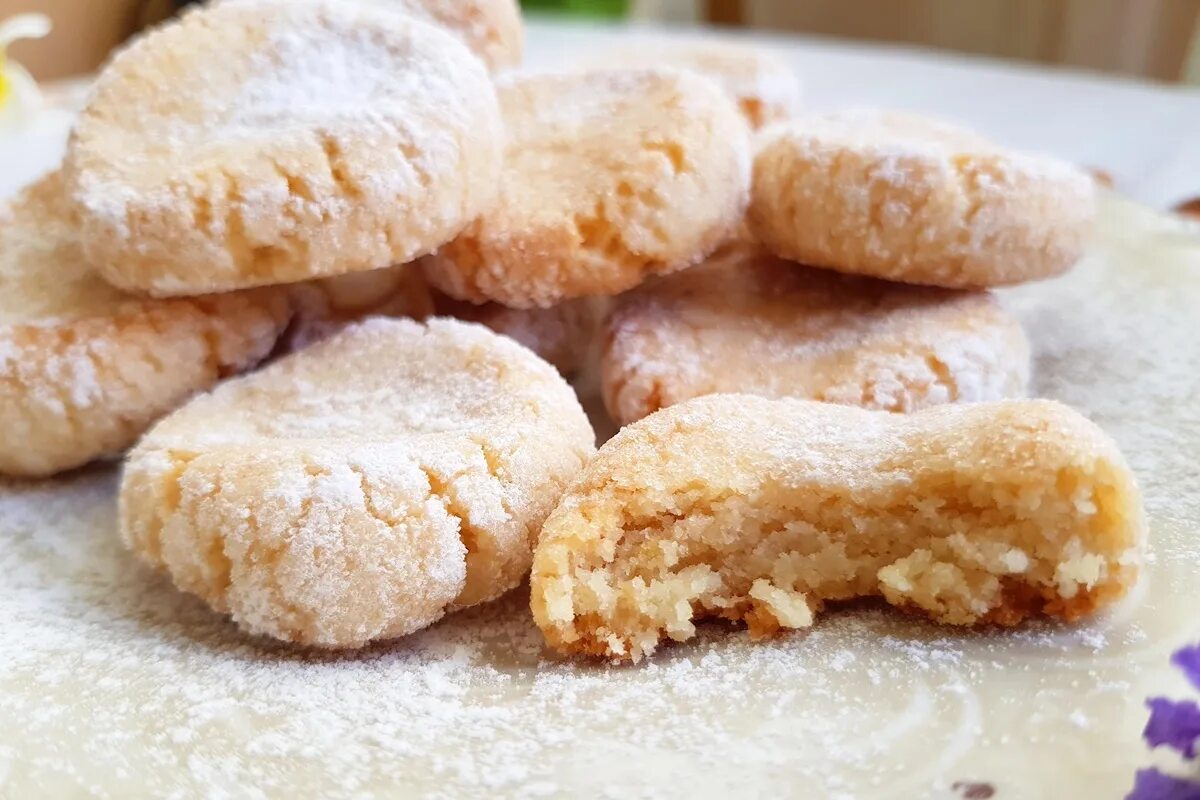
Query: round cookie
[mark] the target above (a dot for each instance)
(85, 368)
(325, 138)
(362, 488)
(764, 87)
(562, 334)
(811, 334)
(610, 176)
(491, 28)
(761, 510)
(909, 199)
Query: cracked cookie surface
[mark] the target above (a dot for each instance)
(745, 321)
(86, 368)
(325, 138)
(906, 198)
(362, 488)
(761, 510)
(610, 176)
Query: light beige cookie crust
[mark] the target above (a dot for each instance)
(362, 488)
(762, 84)
(748, 322)
(761, 510)
(610, 176)
(909, 199)
(325, 138)
(85, 368)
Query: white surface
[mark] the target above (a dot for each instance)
(1146, 135)
(114, 685)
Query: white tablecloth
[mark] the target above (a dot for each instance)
(1146, 135)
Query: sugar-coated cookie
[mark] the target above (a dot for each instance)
(762, 84)
(909, 199)
(761, 510)
(562, 334)
(324, 138)
(610, 176)
(361, 488)
(85, 368)
(748, 322)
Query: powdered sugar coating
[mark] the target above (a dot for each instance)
(761, 510)
(360, 489)
(610, 176)
(910, 199)
(85, 368)
(491, 28)
(812, 334)
(325, 138)
(762, 84)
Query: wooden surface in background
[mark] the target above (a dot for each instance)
(1147, 38)
(85, 31)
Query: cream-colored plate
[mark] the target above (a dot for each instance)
(114, 685)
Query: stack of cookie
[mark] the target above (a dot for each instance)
(336, 186)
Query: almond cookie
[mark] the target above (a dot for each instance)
(85, 368)
(764, 87)
(325, 138)
(747, 322)
(562, 334)
(760, 510)
(610, 176)
(909, 199)
(362, 488)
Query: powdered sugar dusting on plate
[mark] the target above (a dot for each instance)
(124, 687)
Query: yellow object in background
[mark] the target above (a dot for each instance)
(19, 96)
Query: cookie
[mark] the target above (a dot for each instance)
(761, 510)
(909, 199)
(362, 488)
(764, 87)
(562, 334)
(325, 138)
(492, 29)
(610, 176)
(85, 368)
(748, 322)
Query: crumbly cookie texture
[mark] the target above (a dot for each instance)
(85, 368)
(610, 176)
(745, 321)
(761, 510)
(362, 488)
(563, 334)
(762, 84)
(909, 199)
(325, 138)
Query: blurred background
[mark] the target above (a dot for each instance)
(1151, 39)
